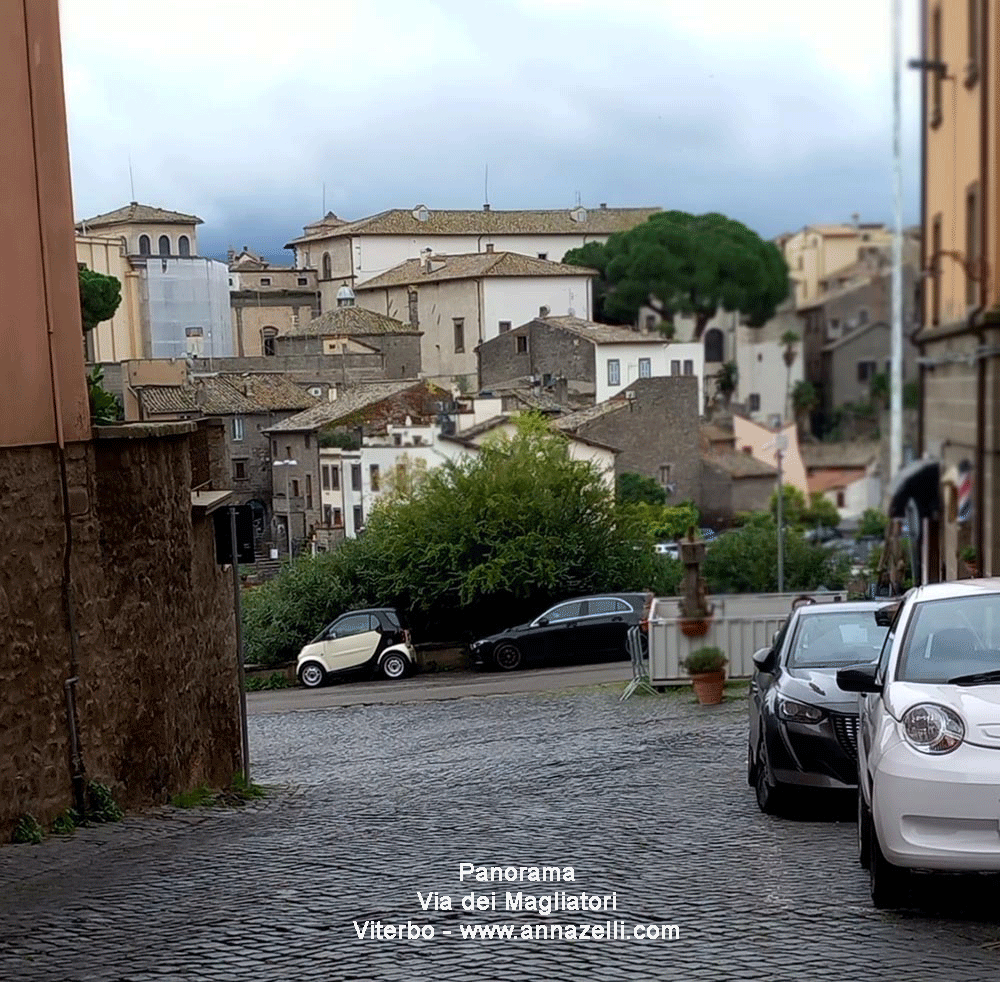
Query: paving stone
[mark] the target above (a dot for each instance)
(646, 799)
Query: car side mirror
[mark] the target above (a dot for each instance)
(884, 616)
(859, 678)
(764, 659)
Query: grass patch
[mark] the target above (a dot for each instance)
(261, 683)
(238, 793)
(28, 829)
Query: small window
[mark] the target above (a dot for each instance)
(267, 340)
(675, 367)
(866, 371)
(614, 371)
(397, 439)
(265, 281)
(237, 428)
(327, 266)
(688, 366)
(145, 248)
(288, 453)
(338, 518)
(543, 255)
(274, 448)
(666, 472)
(334, 478)
(862, 317)
(645, 368)
(303, 281)
(355, 477)
(373, 477)
(522, 344)
(841, 500)
(309, 491)
(328, 515)
(184, 246)
(753, 402)
(239, 470)
(459, 327)
(714, 343)
(295, 487)
(650, 321)
(326, 478)
(307, 440)
(504, 327)
(164, 245)
(359, 517)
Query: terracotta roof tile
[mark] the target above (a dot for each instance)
(352, 401)
(469, 266)
(351, 322)
(137, 213)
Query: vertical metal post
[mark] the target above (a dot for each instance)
(781, 528)
(288, 506)
(238, 608)
(896, 375)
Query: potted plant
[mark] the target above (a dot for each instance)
(968, 556)
(707, 668)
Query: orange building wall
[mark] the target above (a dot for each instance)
(38, 280)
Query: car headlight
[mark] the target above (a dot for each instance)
(798, 712)
(933, 729)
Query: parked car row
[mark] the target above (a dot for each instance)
(375, 641)
(901, 702)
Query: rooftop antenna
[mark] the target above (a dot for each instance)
(486, 186)
(323, 212)
(578, 199)
(131, 179)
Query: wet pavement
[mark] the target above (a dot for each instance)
(374, 804)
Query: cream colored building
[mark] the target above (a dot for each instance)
(760, 442)
(119, 339)
(960, 337)
(147, 230)
(268, 302)
(353, 252)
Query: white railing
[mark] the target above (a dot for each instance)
(740, 624)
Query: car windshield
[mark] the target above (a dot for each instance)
(836, 638)
(950, 638)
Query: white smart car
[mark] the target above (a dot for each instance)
(929, 737)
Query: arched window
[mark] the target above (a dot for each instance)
(184, 246)
(713, 345)
(164, 245)
(144, 245)
(327, 267)
(267, 336)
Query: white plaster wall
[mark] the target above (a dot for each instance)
(518, 299)
(661, 355)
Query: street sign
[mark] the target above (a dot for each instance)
(244, 535)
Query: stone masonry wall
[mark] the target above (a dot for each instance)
(157, 699)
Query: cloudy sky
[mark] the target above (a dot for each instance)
(776, 113)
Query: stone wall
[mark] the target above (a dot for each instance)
(157, 697)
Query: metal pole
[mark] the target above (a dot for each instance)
(781, 529)
(288, 508)
(238, 608)
(896, 376)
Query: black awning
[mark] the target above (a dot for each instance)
(919, 481)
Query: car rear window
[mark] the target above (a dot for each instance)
(841, 638)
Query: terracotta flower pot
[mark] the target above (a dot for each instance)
(694, 628)
(708, 687)
(973, 567)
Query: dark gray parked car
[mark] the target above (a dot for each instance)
(803, 728)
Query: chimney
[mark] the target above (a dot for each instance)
(543, 312)
(604, 205)
(486, 207)
(425, 259)
(489, 246)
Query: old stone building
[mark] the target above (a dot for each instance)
(653, 425)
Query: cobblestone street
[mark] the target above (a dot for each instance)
(646, 799)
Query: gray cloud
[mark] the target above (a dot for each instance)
(775, 123)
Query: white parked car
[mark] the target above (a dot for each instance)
(929, 737)
(371, 641)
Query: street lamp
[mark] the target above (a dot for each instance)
(288, 500)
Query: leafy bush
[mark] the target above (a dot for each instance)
(746, 561)
(797, 513)
(872, 525)
(703, 660)
(638, 488)
(28, 830)
(101, 805)
(665, 523)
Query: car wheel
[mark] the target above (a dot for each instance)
(887, 881)
(312, 674)
(393, 666)
(769, 793)
(507, 657)
(864, 832)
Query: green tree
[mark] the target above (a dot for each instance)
(746, 561)
(665, 523)
(804, 400)
(872, 525)
(682, 264)
(726, 381)
(635, 488)
(801, 514)
(821, 512)
(100, 297)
